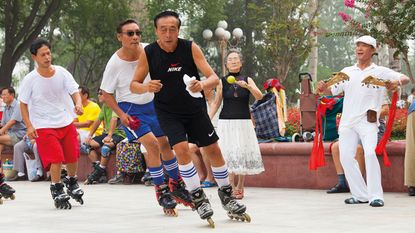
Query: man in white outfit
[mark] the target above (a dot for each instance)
(361, 102)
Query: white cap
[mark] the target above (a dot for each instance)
(367, 40)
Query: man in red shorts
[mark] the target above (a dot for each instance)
(48, 112)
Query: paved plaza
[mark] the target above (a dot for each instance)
(133, 208)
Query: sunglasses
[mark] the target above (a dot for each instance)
(131, 33)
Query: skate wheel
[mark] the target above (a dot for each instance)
(211, 222)
(81, 201)
(171, 212)
(247, 217)
(12, 197)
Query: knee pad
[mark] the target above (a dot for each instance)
(105, 151)
(85, 148)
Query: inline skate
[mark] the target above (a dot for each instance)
(202, 205)
(234, 209)
(166, 200)
(60, 198)
(73, 189)
(98, 175)
(6, 191)
(179, 192)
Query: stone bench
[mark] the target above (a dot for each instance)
(286, 166)
(84, 164)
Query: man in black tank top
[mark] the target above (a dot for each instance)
(173, 64)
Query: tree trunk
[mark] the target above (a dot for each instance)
(6, 70)
(313, 57)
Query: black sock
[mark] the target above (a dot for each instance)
(342, 180)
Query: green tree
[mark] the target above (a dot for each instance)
(88, 37)
(22, 21)
(391, 22)
(335, 52)
(286, 26)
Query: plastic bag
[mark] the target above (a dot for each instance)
(32, 166)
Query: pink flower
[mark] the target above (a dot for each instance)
(349, 3)
(345, 17)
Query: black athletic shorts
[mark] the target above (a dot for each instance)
(196, 128)
(115, 139)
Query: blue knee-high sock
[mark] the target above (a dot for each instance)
(172, 168)
(157, 175)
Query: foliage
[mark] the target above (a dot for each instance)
(88, 37)
(22, 20)
(286, 25)
(391, 22)
(334, 52)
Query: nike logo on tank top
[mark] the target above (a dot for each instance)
(170, 69)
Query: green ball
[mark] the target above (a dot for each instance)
(231, 79)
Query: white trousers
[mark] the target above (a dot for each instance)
(348, 140)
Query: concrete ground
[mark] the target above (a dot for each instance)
(133, 208)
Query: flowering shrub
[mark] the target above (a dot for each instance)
(345, 17)
(390, 22)
(293, 123)
(399, 124)
(349, 3)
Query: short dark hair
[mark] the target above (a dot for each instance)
(36, 44)
(125, 22)
(84, 90)
(167, 14)
(413, 89)
(10, 90)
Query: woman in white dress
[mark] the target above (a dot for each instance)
(237, 138)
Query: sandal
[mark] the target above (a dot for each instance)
(377, 203)
(238, 194)
(208, 184)
(353, 200)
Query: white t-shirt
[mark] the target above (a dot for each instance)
(117, 77)
(49, 99)
(357, 98)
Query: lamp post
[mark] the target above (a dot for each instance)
(224, 39)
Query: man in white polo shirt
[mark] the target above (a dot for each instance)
(360, 119)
